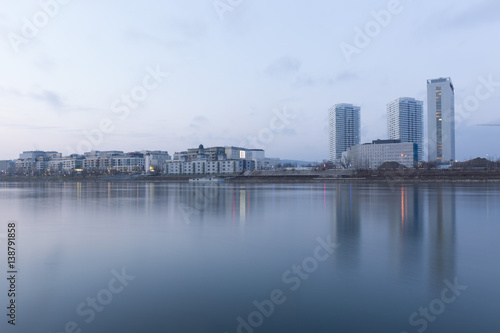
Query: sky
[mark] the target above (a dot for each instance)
(170, 75)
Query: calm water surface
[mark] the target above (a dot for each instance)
(211, 258)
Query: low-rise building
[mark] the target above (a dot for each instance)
(174, 167)
(212, 167)
(201, 167)
(187, 168)
(270, 163)
(228, 166)
(65, 164)
(156, 160)
(103, 153)
(128, 163)
(35, 161)
(42, 163)
(26, 165)
(372, 155)
(39, 153)
(7, 166)
(91, 163)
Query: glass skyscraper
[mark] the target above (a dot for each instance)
(441, 120)
(405, 122)
(344, 129)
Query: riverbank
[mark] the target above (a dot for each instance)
(292, 176)
(407, 176)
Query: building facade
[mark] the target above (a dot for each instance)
(344, 123)
(372, 155)
(156, 160)
(206, 167)
(405, 122)
(39, 153)
(7, 166)
(128, 163)
(441, 120)
(26, 165)
(65, 164)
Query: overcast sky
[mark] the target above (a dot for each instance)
(232, 66)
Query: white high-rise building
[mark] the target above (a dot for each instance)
(344, 129)
(441, 120)
(405, 122)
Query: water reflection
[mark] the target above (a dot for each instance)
(442, 220)
(402, 211)
(409, 217)
(212, 249)
(345, 224)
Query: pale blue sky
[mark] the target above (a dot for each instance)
(226, 77)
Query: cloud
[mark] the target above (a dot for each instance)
(191, 30)
(135, 37)
(283, 67)
(307, 80)
(198, 122)
(49, 97)
(44, 63)
(133, 135)
(288, 132)
(346, 76)
(29, 127)
(177, 33)
(480, 14)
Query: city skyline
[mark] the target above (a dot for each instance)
(249, 166)
(153, 75)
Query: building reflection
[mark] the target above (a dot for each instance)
(407, 220)
(345, 224)
(196, 202)
(418, 221)
(442, 220)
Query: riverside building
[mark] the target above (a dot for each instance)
(405, 122)
(372, 155)
(344, 129)
(441, 120)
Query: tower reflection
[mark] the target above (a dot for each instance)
(345, 224)
(442, 220)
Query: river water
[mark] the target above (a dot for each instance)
(158, 257)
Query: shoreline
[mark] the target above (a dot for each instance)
(267, 177)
